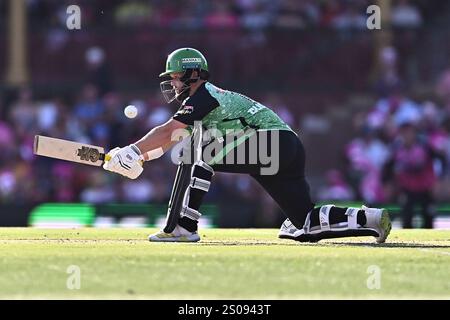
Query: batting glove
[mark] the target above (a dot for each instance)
(126, 161)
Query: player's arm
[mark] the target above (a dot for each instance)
(127, 161)
(161, 138)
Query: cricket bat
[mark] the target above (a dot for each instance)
(69, 150)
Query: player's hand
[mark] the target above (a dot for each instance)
(126, 161)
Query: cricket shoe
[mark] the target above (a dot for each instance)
(179, 234)
(289, 231)
(379, 220)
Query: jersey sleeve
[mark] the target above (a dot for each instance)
(196, 107)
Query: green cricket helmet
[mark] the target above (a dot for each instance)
(184, 60)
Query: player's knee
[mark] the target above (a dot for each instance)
(201, 176)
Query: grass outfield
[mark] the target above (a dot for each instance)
(226, 264)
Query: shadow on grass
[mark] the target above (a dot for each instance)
(244, 242)
(324, 244)
(392, 245)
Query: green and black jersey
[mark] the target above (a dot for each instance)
(227, 110)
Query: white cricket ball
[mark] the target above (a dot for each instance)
(130, 111)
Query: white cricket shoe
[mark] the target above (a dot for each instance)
(179, 234)
(379, 220)
(289, 231)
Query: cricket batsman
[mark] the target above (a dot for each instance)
(208, 114)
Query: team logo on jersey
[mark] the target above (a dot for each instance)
(186, 110)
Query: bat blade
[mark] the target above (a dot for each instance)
(68, 150)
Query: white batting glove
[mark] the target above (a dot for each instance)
(126, 161)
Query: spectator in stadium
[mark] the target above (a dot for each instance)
(411, 168)
(98, 73)
(366, 155)
(336, 188)
(406, 15)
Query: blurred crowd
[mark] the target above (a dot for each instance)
(402, 149)
(200, 14)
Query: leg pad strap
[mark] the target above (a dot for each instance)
(325, 230)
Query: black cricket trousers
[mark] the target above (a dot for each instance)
(288, 187)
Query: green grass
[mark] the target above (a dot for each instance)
(226, 264)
